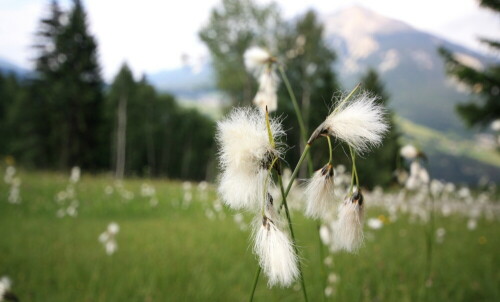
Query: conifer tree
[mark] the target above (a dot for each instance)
(81, 92)
(484, 85)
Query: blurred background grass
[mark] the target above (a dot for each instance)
(175, 252)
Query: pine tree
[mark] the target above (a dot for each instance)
(81, 93)
(379, 165)
(483, 84)
(46, 86)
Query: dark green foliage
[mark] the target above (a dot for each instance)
(62, 117)
(234, 27)
(81, 95)
(484, 84)
(161, 137)
(378, 166)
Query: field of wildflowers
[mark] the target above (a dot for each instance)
(177, 241)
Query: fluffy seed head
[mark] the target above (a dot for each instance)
(419, 177)
(241, 189)
(319, 192)
(495, 125)
(243, 139)
(360, 123)
(113, 228)
(267, 95)
(256, 58)
(350, 223)
(409, 152)
(245, 153)
(275, 250)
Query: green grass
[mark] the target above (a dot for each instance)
(172, 253)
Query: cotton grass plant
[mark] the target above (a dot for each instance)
(251, 151)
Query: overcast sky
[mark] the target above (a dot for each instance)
(152, 35)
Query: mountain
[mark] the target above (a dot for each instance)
(407, 61)
(420, 92)
(185, 82)
(6, 67)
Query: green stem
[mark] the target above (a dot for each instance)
(346, 98)
(257, 274)
(295, 172)
(430, 238)
(303, 129)
(321, 259)
(301, 275)
(330, 149)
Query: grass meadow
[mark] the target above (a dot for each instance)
(189, 248)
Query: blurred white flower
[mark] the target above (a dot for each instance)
(113, 228)
(374, 223)
(409, 152)
(75, 175)
(495, 125)
(267, 95)
(472, 224)
(111, 247)
(440, 233)
(333, 278)
(10, 171)
(255, 59)
(328, 291)
(107, 238)
(419, 177)
(108, 190)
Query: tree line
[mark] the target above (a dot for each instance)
(65, 115)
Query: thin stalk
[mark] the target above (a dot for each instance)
(354, 172)
(295, 172)
(330, 149)
(321, 259)
(303, 129)
(301, 275)
(347, 98)
(430, 239)
(257, 274)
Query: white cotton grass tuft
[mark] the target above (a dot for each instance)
(267, 95)
(274, 249)
(319, 192)
(240, 189)
(495, 125)
(245, 154)
(360, 123)
(107, 238)
(409, 152)
(349, 227)
(5, 286)
(256, 58)
(75, 174)
(419, 177)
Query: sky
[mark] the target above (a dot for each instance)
(153, 35)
